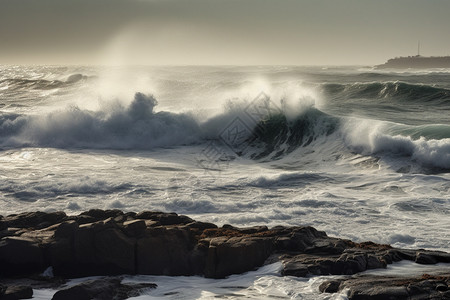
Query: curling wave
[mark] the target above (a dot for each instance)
(278, 136)
(391, 90)
(15, 84)
(377, 139)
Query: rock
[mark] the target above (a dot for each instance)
(164, 218)
(96, 215)
(19, 255)
(10, 231)
(151, 223)
(134, 227)
(165, 252)
(60, 256)
(65, 229)
(331, 286)
(200, 225)
(432, 257)
(102, 249)
(99, 215)
(426, 259)
(309, 264)
(372, 287)
(102, 289)
(115, 250)
(303, 239)
(110, 242)
(379, 293)
(35, 220)
(236, 255)
(377, 262)
(254, 229)
(353, 260)
(15, 292)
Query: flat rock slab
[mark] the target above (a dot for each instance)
(371, 287)
(102, 289)
(14, 292)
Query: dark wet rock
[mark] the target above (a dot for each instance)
(166, 251)
(372, 287)
(19, 255)
(102, 289)
(431, 257)
(115, 249)
(348, 263)
(10, 231)
(35, 220)
(426, 259)
(15, 292)
(200, 225)
(99, 249)
(65, 229)
(96, 215)
(236, 255)
(134, 227)
(254, 229)
(330, 286)
(111, 242)
(164, 218)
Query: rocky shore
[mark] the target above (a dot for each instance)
(113, 243)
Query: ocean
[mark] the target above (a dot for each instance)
(359, 153)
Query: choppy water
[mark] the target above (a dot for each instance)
(359, 153)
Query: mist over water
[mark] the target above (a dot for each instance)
(360, 154)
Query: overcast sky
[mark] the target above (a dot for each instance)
(242, 32)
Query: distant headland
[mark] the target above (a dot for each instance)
(416, 62)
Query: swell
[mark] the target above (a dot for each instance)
(391, 90)
(14, 84)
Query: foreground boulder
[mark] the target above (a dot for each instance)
(371, 287)
(15, 292)
(356, 259)
(111, 242)
(102, 289)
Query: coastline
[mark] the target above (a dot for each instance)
(114, 243)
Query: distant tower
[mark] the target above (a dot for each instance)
(418, 48)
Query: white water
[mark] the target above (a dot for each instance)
(265, 283)
(88, 145)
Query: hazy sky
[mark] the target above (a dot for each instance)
(300, 32)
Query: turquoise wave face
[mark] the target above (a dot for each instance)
(277, 136)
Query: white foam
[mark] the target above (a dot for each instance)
(368, 137)
(132, 127)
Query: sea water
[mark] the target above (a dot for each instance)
(360, 153)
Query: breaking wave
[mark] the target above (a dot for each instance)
(138, 126)
(368, 137)
(134, 127)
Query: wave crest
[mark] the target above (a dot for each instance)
(370, 139)
(134, 127)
